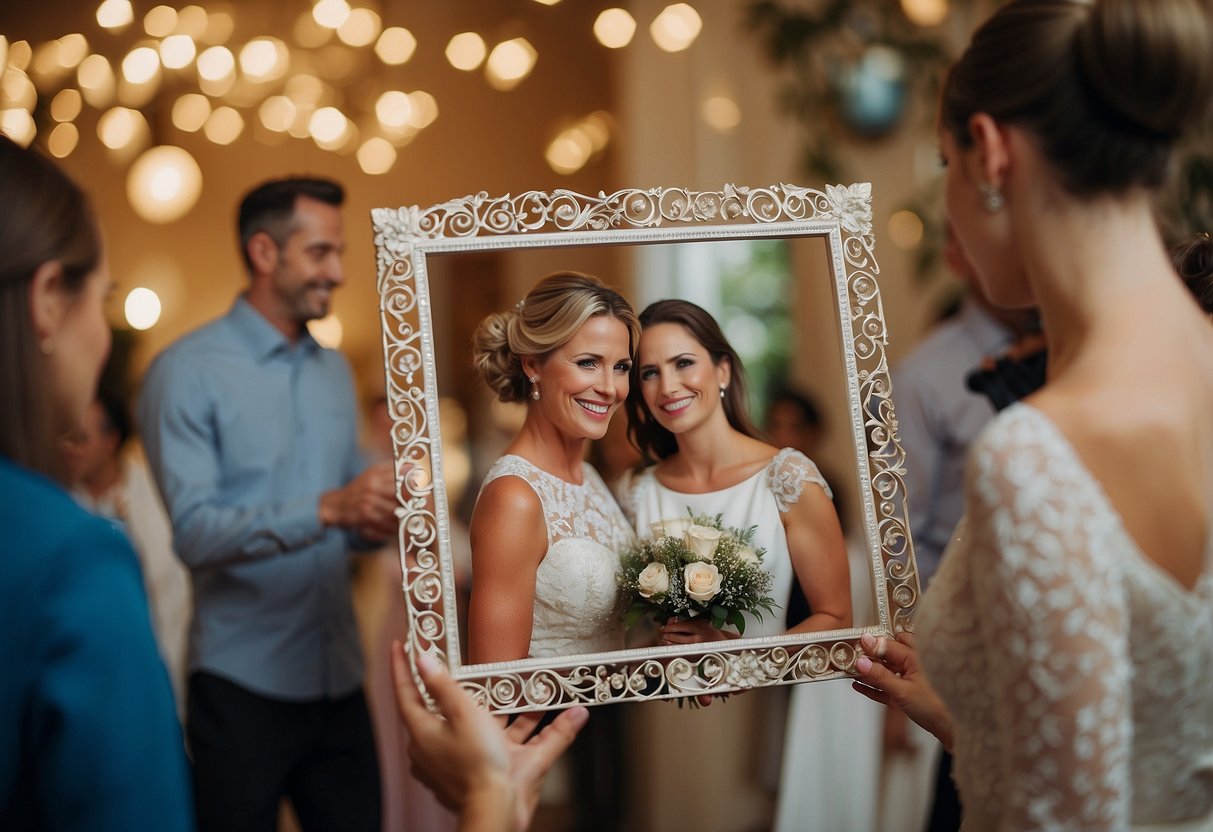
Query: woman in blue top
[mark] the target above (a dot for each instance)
(89, 738)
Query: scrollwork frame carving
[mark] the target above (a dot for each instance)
(842, 215)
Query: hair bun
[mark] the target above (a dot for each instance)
(1150, 63)
(497, 364)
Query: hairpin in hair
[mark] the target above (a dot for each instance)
(518, 306)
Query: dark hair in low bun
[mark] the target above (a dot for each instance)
(1193, 260)
(547, 318)
(1106, 87)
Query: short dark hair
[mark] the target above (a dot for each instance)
(652, 440)
(801, 401)
(270, 207)
(117, 417)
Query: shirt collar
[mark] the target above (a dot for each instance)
(987, 332)
(263, 338)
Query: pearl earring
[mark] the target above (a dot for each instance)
(991, 197)
(722, 389)
(535, 388)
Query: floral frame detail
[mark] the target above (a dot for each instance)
(842, 215)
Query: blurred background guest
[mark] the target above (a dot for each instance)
(109, 476)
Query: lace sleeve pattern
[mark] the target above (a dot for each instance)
(1055, 614)
(787, 474)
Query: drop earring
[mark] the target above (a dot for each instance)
(535, 388)
(722, 389)
(991, 197)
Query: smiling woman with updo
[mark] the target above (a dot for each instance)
(546, 532)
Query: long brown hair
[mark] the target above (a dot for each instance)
(48, 220)
(652, 440)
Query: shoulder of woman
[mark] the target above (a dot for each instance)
(509, 517)
(509, 494)
(787, 475)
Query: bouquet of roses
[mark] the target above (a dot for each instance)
(693, 567)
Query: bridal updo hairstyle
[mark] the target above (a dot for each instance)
(48, 220)
(1193, 261)
(545, 320)
(652, 440)
(1105, 87)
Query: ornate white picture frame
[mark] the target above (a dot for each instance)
(841, 216)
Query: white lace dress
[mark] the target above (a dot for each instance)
(1078, 674)
(576, 609)
(758, 501)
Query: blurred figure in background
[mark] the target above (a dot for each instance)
(251, 430)
(110, 477)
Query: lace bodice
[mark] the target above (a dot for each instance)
(1079, 675)
(756, 501)
(575, 585)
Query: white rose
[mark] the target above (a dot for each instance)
(676, 526)
(702, 580)
(654, 579)
(702, 540)
(747, 554)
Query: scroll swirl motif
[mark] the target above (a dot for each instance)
(412, 393)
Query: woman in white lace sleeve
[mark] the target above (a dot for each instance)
(546, 533)
(687, 415)
(1069, 629)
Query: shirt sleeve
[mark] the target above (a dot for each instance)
(1054, 613)
(179, 436)
(107, 748)
(924, 459)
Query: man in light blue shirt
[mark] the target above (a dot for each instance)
(250, 429)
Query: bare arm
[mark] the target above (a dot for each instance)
(819, 558)
(509, 539)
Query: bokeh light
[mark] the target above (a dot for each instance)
(163, 184)
(676, 27)
(376, 156)
(721, 113)
(142, 308)
(191, 111)
(63, 140)
(395, 46)
(466, 51)
(614, 28)
(115, 15)
(510, 62)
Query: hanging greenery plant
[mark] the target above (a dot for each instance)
(856, 68)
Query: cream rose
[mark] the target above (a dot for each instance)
(702, 540)
(654, 579)
(702, 580)
(747, 554)
(676, 526)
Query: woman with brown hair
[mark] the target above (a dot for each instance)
(91, 738)
(688, 415)
(1069, 628)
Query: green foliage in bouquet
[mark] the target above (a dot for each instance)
(695, 567)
